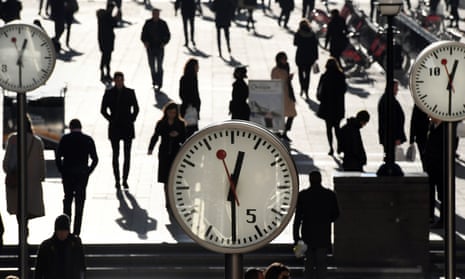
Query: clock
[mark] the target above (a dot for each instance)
(437, 80)
(28, 57)
(233, 187)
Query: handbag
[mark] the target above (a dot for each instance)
(191, 116)
(316, 68)
(411, 153)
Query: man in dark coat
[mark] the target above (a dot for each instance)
(224, 13)
(188, 8)
(120, 108)
(350, 142)
(398, 119)
(72, 160)
(317, 208)
(306, 54)
(336, 35)
(155, 35)
(106, 23)
(62, 255)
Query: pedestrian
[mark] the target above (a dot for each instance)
(188, 8)
(35, 165)
(336, 35)
(10, 10)
(238, 106)
(190, 97)
(224, 13)
(254, 273)
(351, 144)
(47, 7)
(454, 13)
(57, 8)
(106, 23)
(306, 54)
(62, 255)
(287, 6)
(72, 160)
(434, 164)
(250, 5)
(172, 131)
(71, 7)
(277, 270)
(397, 118)
(120, 108)
(419, 126)
(307, 7)
(316, 209)
(155, 35)
(282, 71)
(331, 94)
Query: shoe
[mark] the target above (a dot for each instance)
(331, 152)
(125, 185)
(286, 138)
(185, 44)
(117, 185)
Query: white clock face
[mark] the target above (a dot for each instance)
(27, 59)
(437, 80)
(233, 187)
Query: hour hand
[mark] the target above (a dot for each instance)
(237, 171)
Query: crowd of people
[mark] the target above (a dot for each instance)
(120, 108)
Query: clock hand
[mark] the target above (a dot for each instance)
(452, 74)
(237, 171)
(19, 62)
(450, 77)
(221, 155)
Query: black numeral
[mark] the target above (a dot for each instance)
(251, 214)
(4, 68)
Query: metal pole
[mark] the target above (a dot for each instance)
(389, 168)
(234, 266)
(449, 196)
(22, 196)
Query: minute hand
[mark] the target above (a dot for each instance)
(236, 172)
(451, 76)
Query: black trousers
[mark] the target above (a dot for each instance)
(74, 186)
(127, 158)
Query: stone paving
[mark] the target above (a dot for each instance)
(139, 215)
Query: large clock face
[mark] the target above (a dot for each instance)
(233, 187)
(27, 57)
(437, 80)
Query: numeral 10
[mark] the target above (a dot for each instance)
(435, 71)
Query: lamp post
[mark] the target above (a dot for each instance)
(389, 8)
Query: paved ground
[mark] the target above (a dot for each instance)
(139, 216)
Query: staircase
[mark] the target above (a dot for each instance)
(190, 261)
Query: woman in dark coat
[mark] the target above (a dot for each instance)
(106, 38)
(331, 90)
(238, 106)
(306, 54)
(172, 131)
(336, 35)
(224, 13)
(189, 93)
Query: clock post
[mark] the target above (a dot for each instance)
(28, 60)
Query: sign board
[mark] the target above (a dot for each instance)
(266, 103)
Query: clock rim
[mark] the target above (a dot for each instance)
(262, 131)
(49, 70)
(415, 67)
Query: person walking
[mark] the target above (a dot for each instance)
(336, 35)
(316, 209)
(71, 7)
(155, 35)
(190, 97)
(172, 131)
(350, 142)
(57, 8)
(307, 7)
(120, 108)
(62, 255)
(224, 13)
(419, 126)
(287, 6)
(188, 8)
(306, 54)
(238, 106)
(282, 71)
(106, 23)
(35, 164)
(331, 94)
(398, 120)
(72, 160)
